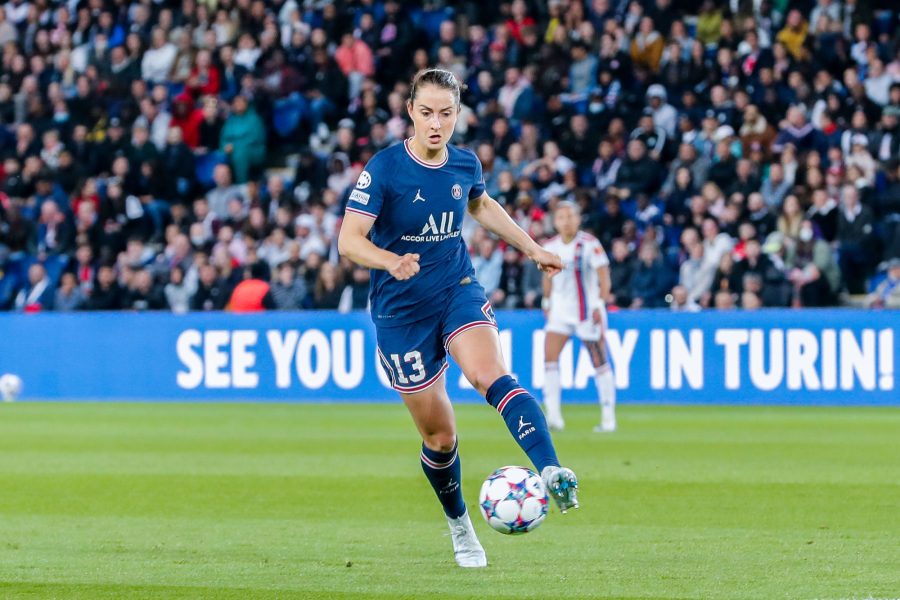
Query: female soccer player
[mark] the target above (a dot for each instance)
(573, 303)
(403, 221)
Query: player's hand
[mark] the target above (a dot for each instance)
(547, 262)
(405, 267)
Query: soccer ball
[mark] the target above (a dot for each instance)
(513, 500)
(10, 387)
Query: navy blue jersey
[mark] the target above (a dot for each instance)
(418, 208)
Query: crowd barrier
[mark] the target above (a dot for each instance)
(798, 357)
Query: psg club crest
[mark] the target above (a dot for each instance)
(456, 191)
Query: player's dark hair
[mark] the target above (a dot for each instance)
(441, 78)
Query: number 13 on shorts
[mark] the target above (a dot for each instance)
(414, 360)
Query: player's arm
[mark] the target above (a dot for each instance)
(547, 285)
(605, 282)
(492, 217)
(354, 243)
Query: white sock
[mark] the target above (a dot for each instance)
(551, 391)
(606, 391)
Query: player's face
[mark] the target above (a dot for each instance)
(434, 114)
(566, 221)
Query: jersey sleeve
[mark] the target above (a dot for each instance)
(367, 196)
(598, 256)
(478, 180)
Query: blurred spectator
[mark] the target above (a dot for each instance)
(106, 293)
(356, 294)
(621, 269)
(812, 269)
(854, 232)
(697, 271)
(681, 302)
(38, 294)
(254, 293)
(288, 291)
(651, 280)
(887, 293)
(488, 264)
(328, 288)
(638, 173)
(178, 290)
(144, 294)
(69, 296)
(224, 192)
(212, 293)
(243, 140)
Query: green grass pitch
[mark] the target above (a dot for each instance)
(328, 501)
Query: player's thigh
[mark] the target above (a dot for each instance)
(556, 333)
(477, 352)
(432, 413)
(592, 338)
(470, 336)
(412, 355)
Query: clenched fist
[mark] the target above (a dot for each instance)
(405, 267)
(547, 262)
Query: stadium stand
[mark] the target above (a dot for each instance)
(728, 154)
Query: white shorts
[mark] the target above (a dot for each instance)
(585, 330)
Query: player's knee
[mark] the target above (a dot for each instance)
(483, 378)
(440, 442)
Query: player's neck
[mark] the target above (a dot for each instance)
(426, 155)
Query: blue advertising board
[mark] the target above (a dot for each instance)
(839, 357)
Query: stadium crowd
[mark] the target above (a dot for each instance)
(164, 155)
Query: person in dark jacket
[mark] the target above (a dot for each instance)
(651, 280)
(609, 224)
(144, 294)
(356, 293)
(212, 292)
(329, 287)
(855, 235)
(107, 294)
(177, 163)
(621, 269)
(327, 87)
(638, 173)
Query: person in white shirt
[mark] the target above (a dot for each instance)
(157, 61)
(574, 305)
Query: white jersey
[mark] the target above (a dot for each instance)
(575, 291)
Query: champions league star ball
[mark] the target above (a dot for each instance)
(513, 500)
(10, 387)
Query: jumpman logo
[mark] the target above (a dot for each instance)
(418, 196)
(522, 423)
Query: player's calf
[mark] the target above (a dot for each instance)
(524, 419)
(444, 473)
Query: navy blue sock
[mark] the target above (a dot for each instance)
(524, 419)
(444, 474)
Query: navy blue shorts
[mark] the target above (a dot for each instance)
(415, 355)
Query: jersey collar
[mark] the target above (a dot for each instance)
(422, 162)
